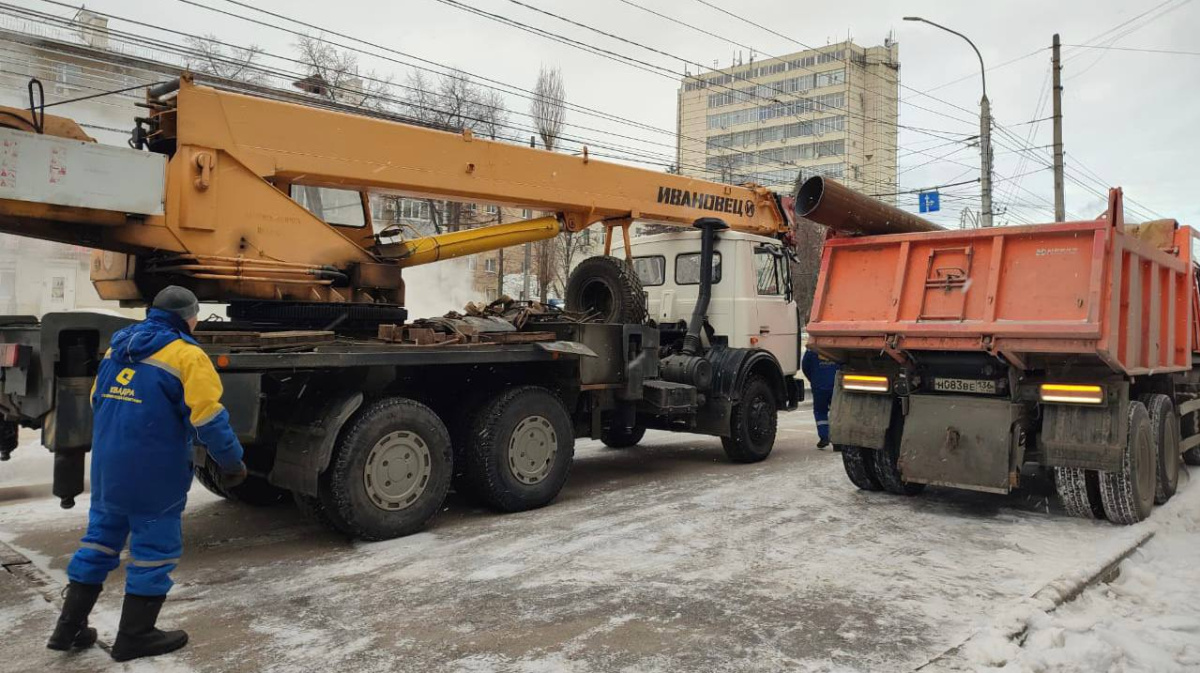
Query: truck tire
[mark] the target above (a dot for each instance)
(255, 491)
(1188, 428)
(314, 510)
(1164, 429)
(887, 467)
(390, 471)
(1079, 492)
(860, 467)
(607, 288)
(753, 423)
(522, 449)
(620, 438)
(1128, 495)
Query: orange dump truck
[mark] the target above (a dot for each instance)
(971, 354)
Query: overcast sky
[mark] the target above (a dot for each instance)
(1131, 118)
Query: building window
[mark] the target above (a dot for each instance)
(67, 78)
(414, 209)
(490, 264)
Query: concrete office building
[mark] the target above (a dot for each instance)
(831, 111)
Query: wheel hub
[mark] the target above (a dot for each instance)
(760, 418)
(531, 449)
(397, 470)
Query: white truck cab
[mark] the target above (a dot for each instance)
(752, 303)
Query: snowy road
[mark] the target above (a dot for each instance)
(659, 558)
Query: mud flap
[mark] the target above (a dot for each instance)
(964, 442)
(859, 419)
(307, 443)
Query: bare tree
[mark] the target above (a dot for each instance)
(334, 75)
(571, 247)
(454, 102)
(547, 106)
(208, 55)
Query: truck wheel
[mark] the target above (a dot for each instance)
(620, 438)
(390, 471)
(887, 468)
(1079, 492)
(753, 423)
(860, 467)
(607, 288)
(255, 491)
(1128, 495)
(522, 450)
(1192, 456)
(1164, 430)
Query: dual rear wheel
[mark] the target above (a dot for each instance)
(1149, 471)
(394, 462)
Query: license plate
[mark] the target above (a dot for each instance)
(974, 386)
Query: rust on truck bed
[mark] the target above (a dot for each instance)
(1088, 289)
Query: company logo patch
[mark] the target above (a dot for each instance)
(125, 376)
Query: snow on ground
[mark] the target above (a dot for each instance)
(664, 557)
(1147, 620)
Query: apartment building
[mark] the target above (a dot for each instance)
(831, 111)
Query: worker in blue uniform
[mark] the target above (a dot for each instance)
(821, 375)
(156, 394)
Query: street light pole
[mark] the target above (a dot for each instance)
(985, 128)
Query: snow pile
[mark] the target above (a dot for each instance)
(1148, 619)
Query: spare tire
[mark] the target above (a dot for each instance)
(607, 288)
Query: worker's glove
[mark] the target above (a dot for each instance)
(235, 476)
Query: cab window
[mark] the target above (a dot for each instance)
(687, 268)
(651, 270)
(767, 272)
(339, 207)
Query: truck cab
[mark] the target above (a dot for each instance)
(752, 303)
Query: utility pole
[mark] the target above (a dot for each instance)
(1060, 204)
(985, 128)
(499, 262)
(528, 248)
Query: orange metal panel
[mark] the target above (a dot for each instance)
(1082, 288)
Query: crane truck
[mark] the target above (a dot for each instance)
(970, 355)
(365, 418)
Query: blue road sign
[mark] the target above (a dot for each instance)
(930, 202)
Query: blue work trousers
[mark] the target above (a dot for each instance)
(155, 545)
(821, 399)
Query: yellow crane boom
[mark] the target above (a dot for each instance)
(264, 199)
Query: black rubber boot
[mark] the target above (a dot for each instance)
(72, 630)
(137, 637)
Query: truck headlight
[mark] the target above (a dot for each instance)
(1071, 393)
(865, 383)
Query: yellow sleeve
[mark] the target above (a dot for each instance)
(202, 388)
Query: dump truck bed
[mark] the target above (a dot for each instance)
(1090, 289)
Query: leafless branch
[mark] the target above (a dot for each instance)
(547, 105)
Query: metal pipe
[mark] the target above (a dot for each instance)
(842, 209)
(709, 226)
